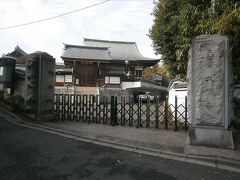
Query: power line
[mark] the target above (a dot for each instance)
(53, 17)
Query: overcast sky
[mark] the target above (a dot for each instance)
(124, 20)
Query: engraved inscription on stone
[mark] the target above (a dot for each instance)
(206, 81)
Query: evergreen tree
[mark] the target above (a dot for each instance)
(149, 72)
(177, 22)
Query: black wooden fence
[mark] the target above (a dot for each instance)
(124, 111)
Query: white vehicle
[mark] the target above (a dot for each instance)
(144, 97)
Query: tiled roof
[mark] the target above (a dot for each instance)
(84, 52)
(119, 50)
(105, 50)
(17, 53)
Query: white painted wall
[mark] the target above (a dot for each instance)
(126, 85)
(112, 80)
(181, 93)
(138, 84)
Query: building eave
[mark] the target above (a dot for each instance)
(110, 60)
(83, 59)
(108, 41)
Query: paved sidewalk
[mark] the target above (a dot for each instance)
(156, 142)
(139, 137)
(157, 139)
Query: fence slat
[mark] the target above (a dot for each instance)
(84, 104)
(61, 106)
(97, 110)
(148, 113)
(121, 111)
(78, 105)
(175, 114)
(139, 112)
(72, 107)
(124, 111)
(130, 111)
(186, 112)
(157, 113)
(81, 108)
(166, 113)
(105, 106)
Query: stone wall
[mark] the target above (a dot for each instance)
(87, 90)
(64, 90)
(108, 92)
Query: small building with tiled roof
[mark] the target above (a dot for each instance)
(17, 53)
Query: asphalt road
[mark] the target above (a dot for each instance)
(30, 154)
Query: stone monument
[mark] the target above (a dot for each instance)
(210, 92)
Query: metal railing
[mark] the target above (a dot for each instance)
(124, 111)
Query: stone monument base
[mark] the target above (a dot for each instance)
(210, 137)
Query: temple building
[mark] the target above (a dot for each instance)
(112, 64)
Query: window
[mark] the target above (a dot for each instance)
(59, 78)
(112, 80)
(68, 78)
(138, 72)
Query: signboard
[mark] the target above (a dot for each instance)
(20, 73)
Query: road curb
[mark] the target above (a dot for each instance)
(211, 161)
